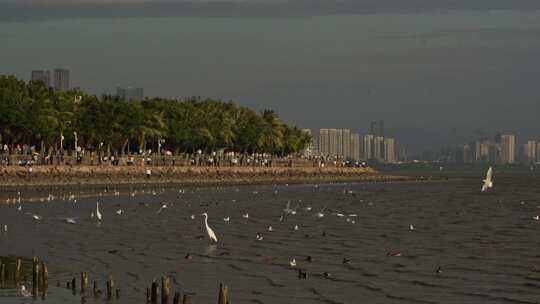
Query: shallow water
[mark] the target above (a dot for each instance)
(487, 245)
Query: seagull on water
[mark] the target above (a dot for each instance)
(209, 230)
(245, 215)
(70, 220)
(292, 262)
(270, 228)
(227, 219)
(259, 237)
(488, 183)
(411, 227)
(119, 211)
(5, 228)
(163, 206)
(536, 217)
(19, 208)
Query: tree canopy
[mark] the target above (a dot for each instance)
(33, 114)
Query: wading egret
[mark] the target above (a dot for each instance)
(209, 230)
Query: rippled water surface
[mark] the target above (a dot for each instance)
(487, 245)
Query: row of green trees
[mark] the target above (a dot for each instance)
(33, 114)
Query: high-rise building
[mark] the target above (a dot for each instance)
(43, 76)
(482, 150)
(378, 148)
(389, 150)
(530, 152)
(61, 79)
(346, 143)
(368, 147)
(355, 147)
(332, 142)
(377, 128)
(324, 142)
(130, 93)
(508, 149)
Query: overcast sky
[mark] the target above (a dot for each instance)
(437, 71)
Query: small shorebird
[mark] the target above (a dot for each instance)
(292, 262)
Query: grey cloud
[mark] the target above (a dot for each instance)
(33, 10)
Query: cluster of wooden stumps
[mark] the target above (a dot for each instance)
(6, 275)
(112, 293)
(153, 292)
(40, 283)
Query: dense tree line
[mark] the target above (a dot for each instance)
(33, 114)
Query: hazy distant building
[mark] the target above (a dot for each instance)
(42, 75)
(467, 154)
(130, 93)
(389, 150)
(377, 128)
(308, 151)
(368, 147)
(508, 149)
(355, 147)
(482, 151)
(332, 142)
(530, 151)
(61, 79)
(345, 143)
(324, 142)
(378, 148)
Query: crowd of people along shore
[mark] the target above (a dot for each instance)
(28, 156)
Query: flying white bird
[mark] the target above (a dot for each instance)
(209, 230)
(488, 183)
(98, 213)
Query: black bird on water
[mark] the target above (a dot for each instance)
(327, 275)
(309, 259)
(302, 274)
(188, 257)
(346, 261)
(439, 270)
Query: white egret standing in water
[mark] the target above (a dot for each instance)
(488, 183)
(98, 213)
(209, 230)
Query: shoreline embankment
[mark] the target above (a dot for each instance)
(122, 176)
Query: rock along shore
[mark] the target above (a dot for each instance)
(51, 176)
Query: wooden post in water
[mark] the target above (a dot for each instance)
(110, 286)
(44, 280)
(18, 267)
(35, 278)
(223, 294)
(165, 290)
(153, 298)
(84, 282)
(147, 295)
(187, 299)
(96, 291)
(176, 299)
(2, 274)
(74, 285)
